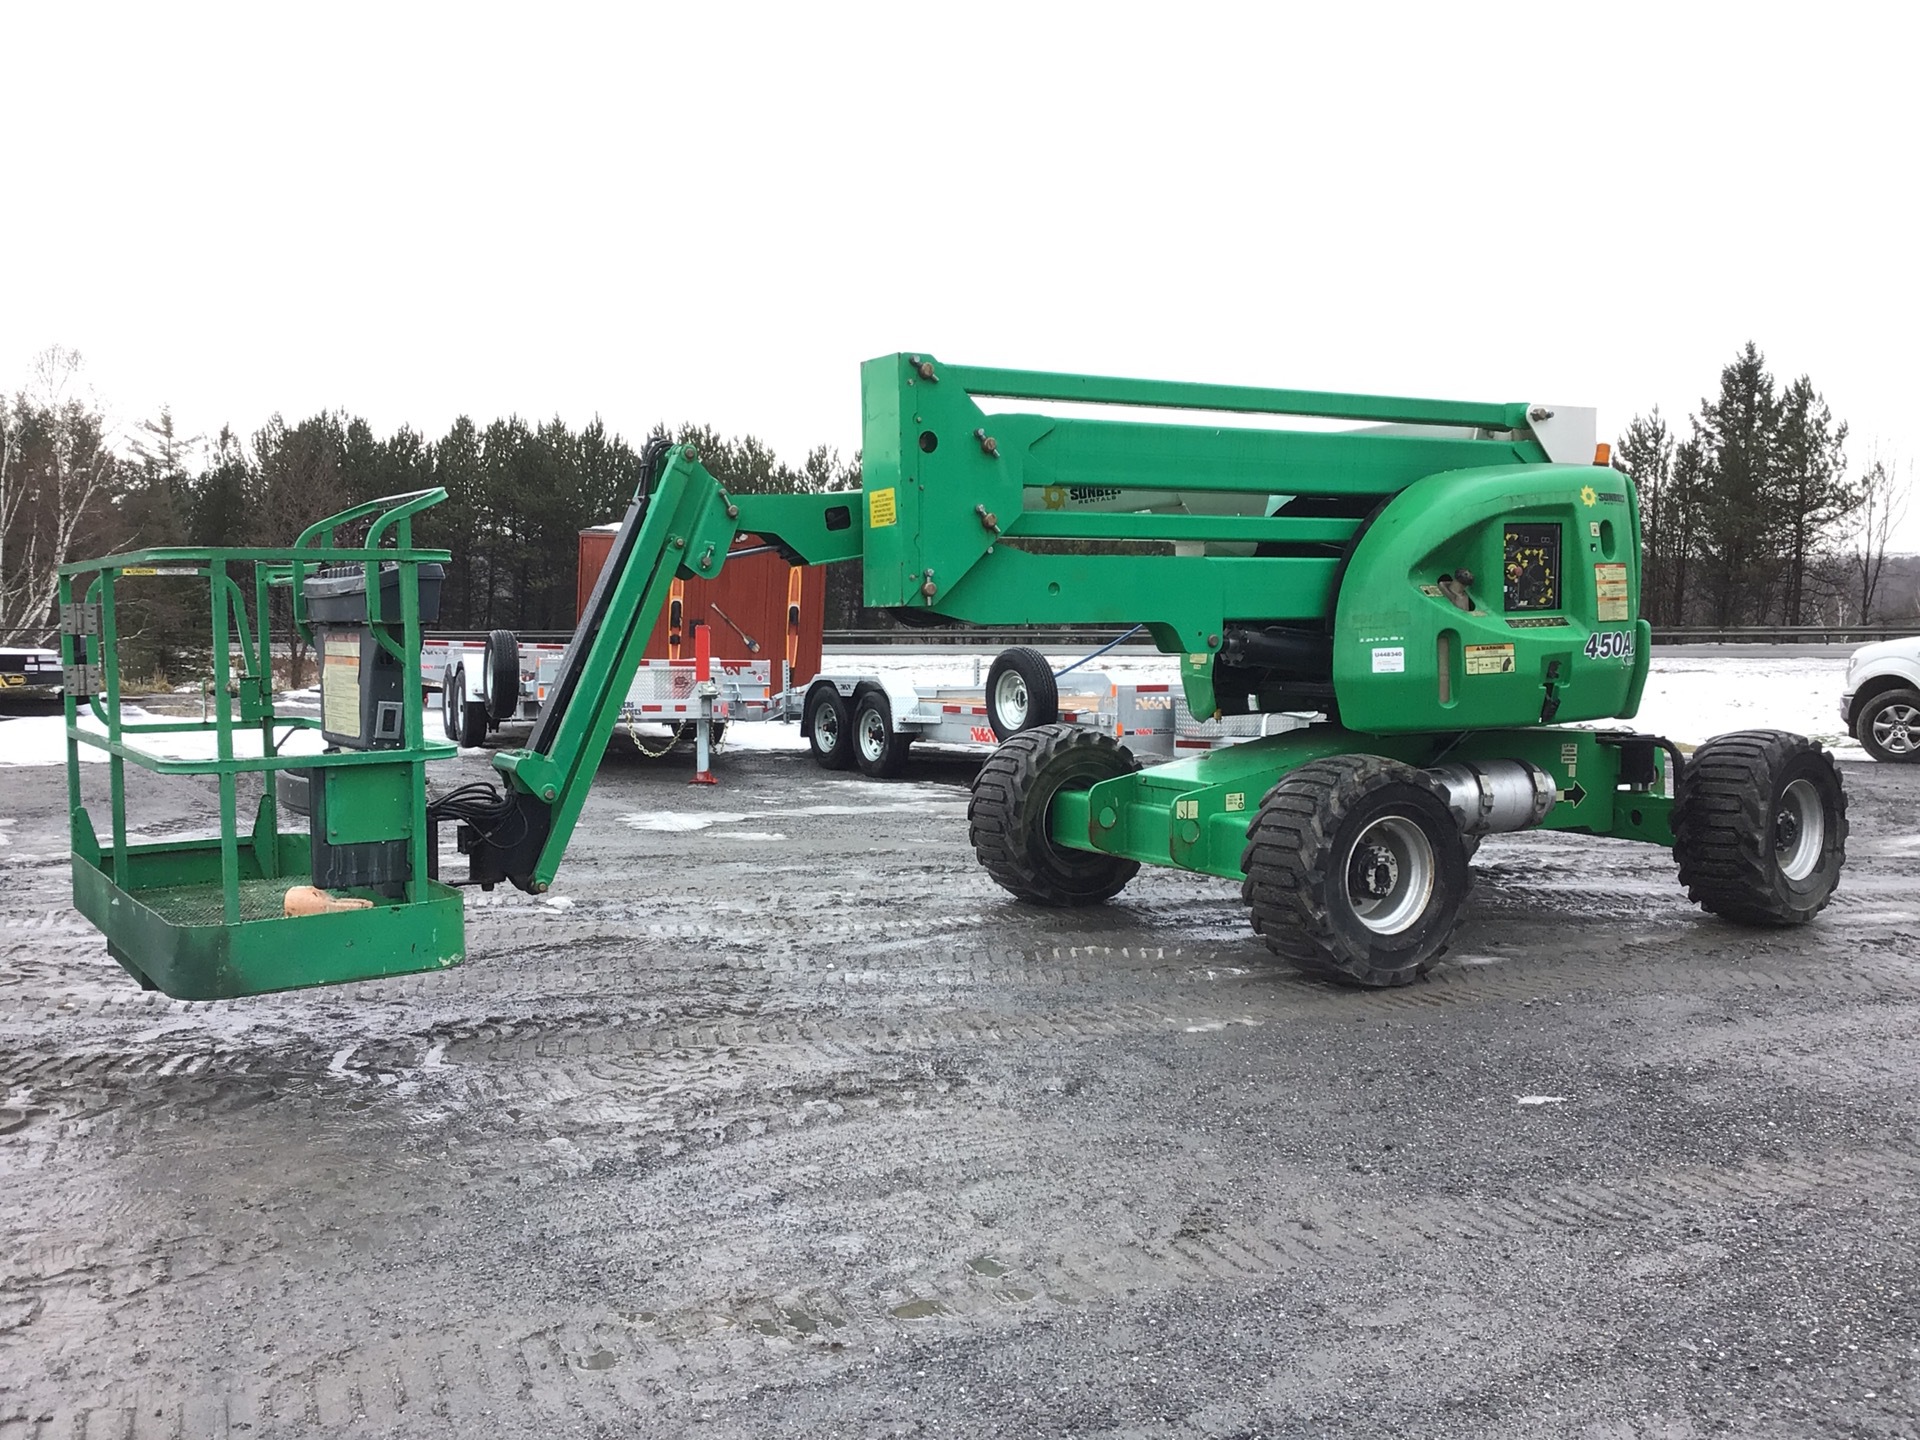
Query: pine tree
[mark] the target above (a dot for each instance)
(1646, 450)
(1738, 434)
(1810, 493)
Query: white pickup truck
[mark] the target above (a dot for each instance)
(1881, 702)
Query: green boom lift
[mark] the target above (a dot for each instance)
(1451, 587)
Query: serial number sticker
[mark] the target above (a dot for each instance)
(1390, 660)
(1610, 645)
(1489, 659)
(1236, 800)
(1610, 590)
(1186, 809)
(881, 511)
(1199, 662)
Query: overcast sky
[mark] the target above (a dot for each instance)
(702, 212)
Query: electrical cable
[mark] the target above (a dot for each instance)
(482, 807)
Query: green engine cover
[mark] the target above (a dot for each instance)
(1494, 597)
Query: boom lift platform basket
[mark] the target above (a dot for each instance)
(204, 918)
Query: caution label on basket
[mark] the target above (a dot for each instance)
(340, 685)
(880, 509)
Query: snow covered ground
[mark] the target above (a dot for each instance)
(1688, 699)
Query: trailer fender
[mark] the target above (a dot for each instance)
(846, 685)
(903, 699)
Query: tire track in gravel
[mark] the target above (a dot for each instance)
(1231, 994)
(610, 1361)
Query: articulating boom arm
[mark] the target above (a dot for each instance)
(681, 525)
(1291, 569)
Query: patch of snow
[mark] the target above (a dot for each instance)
(762, 735)
(1540, 1099)
(676, 822)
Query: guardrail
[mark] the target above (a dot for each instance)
(996, 637)
(982, 638)
(1781, 634)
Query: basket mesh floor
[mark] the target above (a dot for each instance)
(203, 904)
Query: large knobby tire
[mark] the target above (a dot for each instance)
(500, 675)
(829, 728)
(1355, 869)
(1009, 820)
(1760, 827)
(1021, 692)
(878, 749)
(1889, 726)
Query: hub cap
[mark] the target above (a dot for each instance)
(1896, 729)
(873, 735)
(1799, 830)
(826, 730)
(1010, 699)
(1389, 875)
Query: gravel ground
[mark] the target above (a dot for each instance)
(778, 1118)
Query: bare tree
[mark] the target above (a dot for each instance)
(56, 476)
(1884, 494)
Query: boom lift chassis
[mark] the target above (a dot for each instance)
(1452, 585)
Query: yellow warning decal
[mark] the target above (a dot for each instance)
(880, 509)
(1489, 659)
(1610, 590)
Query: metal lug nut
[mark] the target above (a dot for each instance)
(988, 520)
(1539, 413)
(987, 442)
(733, 511)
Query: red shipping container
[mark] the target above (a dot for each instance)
(781, 606)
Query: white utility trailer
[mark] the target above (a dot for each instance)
(851, 719)
(869, 720)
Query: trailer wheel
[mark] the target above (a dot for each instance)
(1021, 692)
(453, 703)
(500, 675)
(829, 728)
(1010, 818)
(1355, 868)
(878, 749)
(1889, 726)
(1760, 827)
